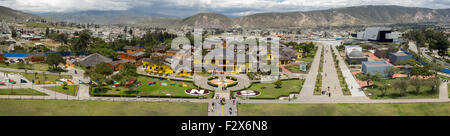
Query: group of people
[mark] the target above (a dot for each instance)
(222, 101)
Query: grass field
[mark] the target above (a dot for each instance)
(24, 91)
(41, 77)
(38, 66)
(150, 90)
(268, 90)
(99, 108)
(414, 109)
(71, 89)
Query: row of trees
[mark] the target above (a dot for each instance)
(403, 84)
(305, 47)
(432, 39)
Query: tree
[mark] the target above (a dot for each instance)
(62, 38)
(53, 60)
(130, 31)
(401, 85)
(103, 69)
(13, 33)
(383, 87)
(47, 31)
(97, 77)
(62, 49)
(434, 83)
(64, 85)
(128, 69)
(354, 62)
(278, 84)
(81, 43)
(417, 83)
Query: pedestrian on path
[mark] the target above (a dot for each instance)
(329, 94)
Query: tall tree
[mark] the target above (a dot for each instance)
(53, 60)
(417, 83)
(401, 85)
(103, 69)
(81, 43)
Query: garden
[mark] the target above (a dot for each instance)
(148, 87)
(276, 90)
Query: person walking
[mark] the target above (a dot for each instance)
(329, 94)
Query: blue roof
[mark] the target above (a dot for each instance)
(15, 54)
(446, 70)
(25, 54)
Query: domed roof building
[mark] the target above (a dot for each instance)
(357, 57)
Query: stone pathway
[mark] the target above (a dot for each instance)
(330, 80)
(443, 91)
(308, 86)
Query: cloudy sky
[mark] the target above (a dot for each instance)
(182, 8)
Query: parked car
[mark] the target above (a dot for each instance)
(12, 61)
(19, 60)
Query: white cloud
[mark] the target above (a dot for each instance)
(189, 7)
(65, 5)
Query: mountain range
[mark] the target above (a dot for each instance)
(359, 15)
(9, 14)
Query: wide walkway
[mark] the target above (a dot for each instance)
(330, 80)
(308, 86)
(353, 85)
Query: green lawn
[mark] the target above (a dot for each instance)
(295, 68)
(392, 93)
(71, 89)
(414, 109)
(22, 91)
(268, 90)
(37, 66)
(41, 77)
(99, 108)
(149, 90)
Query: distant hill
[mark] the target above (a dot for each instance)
(9, 14)
(360, 15)
(112, 17)
(206, 20)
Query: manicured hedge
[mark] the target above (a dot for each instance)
(212, 84)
